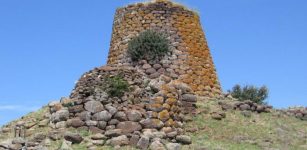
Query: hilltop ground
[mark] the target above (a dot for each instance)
(238, 131)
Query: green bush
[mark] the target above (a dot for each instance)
(116, 86)
(149, 45)
(250, 92)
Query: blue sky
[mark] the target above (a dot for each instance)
(45, 46)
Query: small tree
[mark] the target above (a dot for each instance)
(149, 45)
(250, 92)
(116, 86)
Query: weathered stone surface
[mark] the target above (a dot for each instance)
(112, 110)
(143, 143)
(134, 140)
(61, 115)
(121, 116)
(150, 71)
(55, 106)
(102, 116)
(173, 146)
(157, 66)
(154, 107)
(98, 143)
(39, 137)
(146, 66)
(216, 116)
(93, 106)
(95, 130)
(189, 97)
(60, 125)
(76, 109)
(184, 139)
(172, 134)
(113, 133)
(85, 115)
(152, 123)
(15, 146)
(98, 136)
(158, 134)
(113, 122)
(91, 123)
(120, 140)
(156, 145)
(73, 137)
(164, 115)
(245, 107)
(129, 127)
(5, 145)
(76, 123)
(260, 108)
(55, 135)
(19, 141)
(102, 124)
(134, 115)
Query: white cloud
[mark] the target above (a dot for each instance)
(18, 108)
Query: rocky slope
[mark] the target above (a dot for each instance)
(232, 128)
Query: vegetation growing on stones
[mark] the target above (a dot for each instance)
(149, 45)
(250, 92)
(116, 86)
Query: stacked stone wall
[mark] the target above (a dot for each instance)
(189, 61)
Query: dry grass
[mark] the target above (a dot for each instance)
(236, 132)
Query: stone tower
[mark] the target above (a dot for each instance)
(190, 60)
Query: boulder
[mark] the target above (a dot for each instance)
(19, 141)
(95, 130)
(156, 145)
(129, 127)
(143, 143)
(113, 132)
(120, 140)
(102, 124)
(184, 139)
(112, 110)
(134, 140)
(61, 115)
(173, 146)
(85, 115)
(152, 123)
(98, 136)
(93, 106)
(91, 123)
(164, 115)
(150, 71)
(76, 109)
(73, 137)
(260, 108)
(157, 66)
(113, 122)
(76, 123)
(216, 116)
(60, 125)
(15, 147)
(146, 66)
(134, 115)
(189, 97)
(245, 107)
(102, 116)
(121, 116)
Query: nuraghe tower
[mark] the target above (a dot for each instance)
(190, 60)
